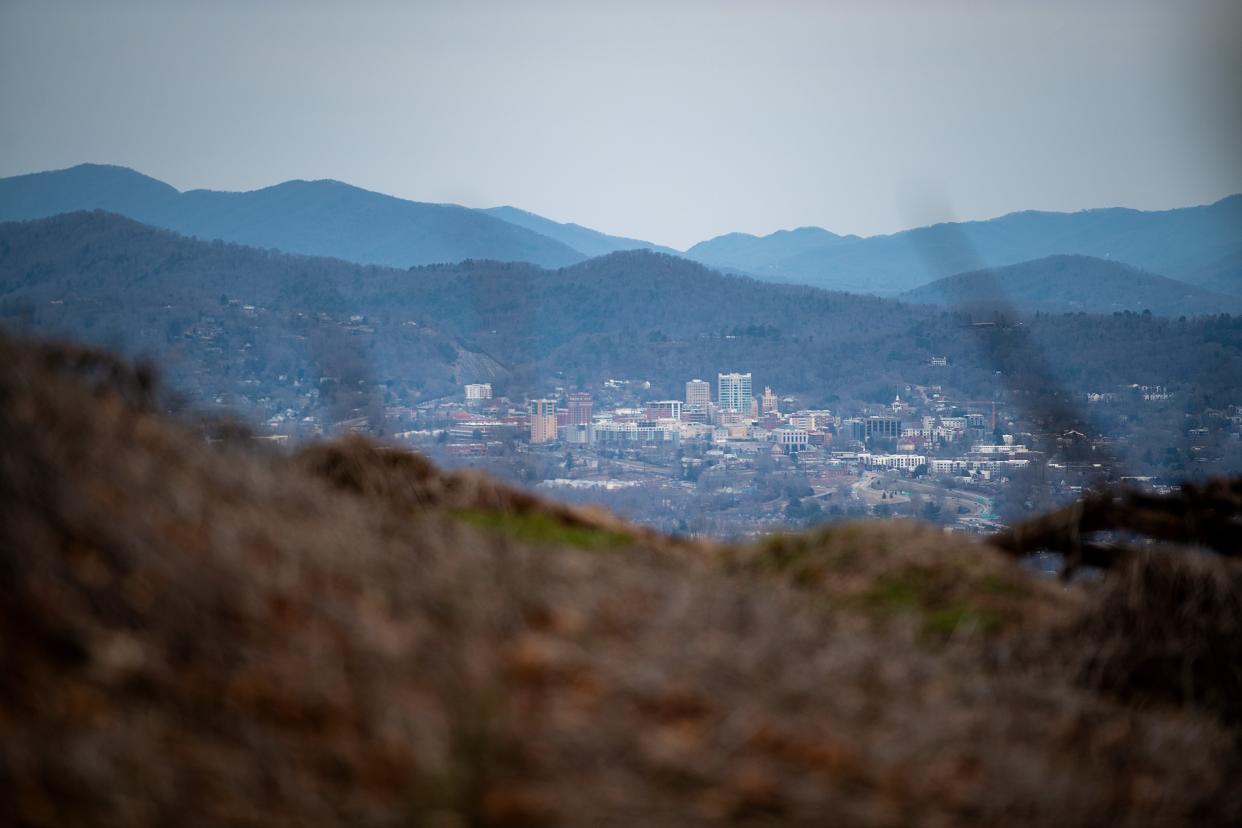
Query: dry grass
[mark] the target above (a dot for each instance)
(210, 634)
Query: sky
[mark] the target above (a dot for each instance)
(667, 121)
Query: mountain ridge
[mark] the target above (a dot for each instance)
(1068, 283)
(114, 281)
(314, 217)
(589, 242)
(1200, 245)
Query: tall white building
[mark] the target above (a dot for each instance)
(733, 392)
(478, 391)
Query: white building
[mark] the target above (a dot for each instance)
(810, 420)
(733, 392)
(576, 434)
(892, 461)
(791, 439)
(478, 391)
(1006, 449)
(621, 434)
(957, 465)
(952, 423)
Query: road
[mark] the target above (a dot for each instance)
(978, 504)
(874, 497)
(901, 490)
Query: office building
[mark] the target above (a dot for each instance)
(885, 428)
(698, 395)
(733, 392)
(634, 434)
(664, 410)
(542, 421)
(791, 439)
(581, 408)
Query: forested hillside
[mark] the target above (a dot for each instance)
(1074, 283)
(762, 255)
(636, 315)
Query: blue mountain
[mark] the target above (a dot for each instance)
(1199, 245)
(583, 239)
(322, 218)
(1059, 284)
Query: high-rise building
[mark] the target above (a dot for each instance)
(855, 428)
(478, 391)
(733, 392)
(581, 407)
(769, 400)
(698, 395)
(542, 421)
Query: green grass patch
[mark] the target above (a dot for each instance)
(806, 558)
(537, 527)
(946, 620)
(996, 585)
(898, 593)
(943, 609)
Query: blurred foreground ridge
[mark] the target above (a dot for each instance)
(210, 632)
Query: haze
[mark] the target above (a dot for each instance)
(672, 125)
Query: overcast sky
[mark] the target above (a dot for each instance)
(672, 122)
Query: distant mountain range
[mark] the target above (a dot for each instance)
(759, 255)
(1073, 283)
(1201, 246)
(323, 218)
(590, 243)
(317, 218)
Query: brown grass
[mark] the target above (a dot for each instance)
(211, 634)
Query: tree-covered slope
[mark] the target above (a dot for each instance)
(761, 255)
(632, 314)
(1074, 283)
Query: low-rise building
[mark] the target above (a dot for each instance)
(791, 439)
(892, 461)
(629, 434)
(664, 410)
